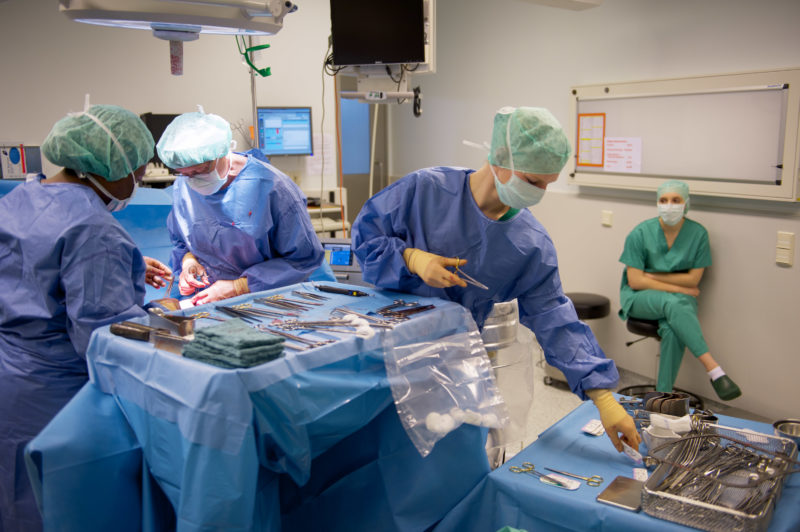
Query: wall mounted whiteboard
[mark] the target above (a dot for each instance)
(730, 135)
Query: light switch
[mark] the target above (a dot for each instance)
(784, 249)
(784, 257)
(785, 240)
(607, 218)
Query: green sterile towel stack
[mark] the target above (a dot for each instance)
(233, 344)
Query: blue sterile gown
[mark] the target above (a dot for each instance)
(433, 209)
(257, 227)
(66, 268)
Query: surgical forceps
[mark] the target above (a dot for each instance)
(206, 315)
(528, 467)
(594, 480)
(469, 279)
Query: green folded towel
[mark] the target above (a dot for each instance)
(233, 344)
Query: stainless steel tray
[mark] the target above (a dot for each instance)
(679, 491)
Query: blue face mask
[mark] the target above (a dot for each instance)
(517, 193)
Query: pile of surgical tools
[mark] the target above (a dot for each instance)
(719, 478)
(281, 315)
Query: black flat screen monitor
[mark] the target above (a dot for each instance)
(284, 130)
(369, 32)
(157, 123)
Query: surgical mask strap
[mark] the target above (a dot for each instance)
(109, 195)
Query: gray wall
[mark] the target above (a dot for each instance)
(514, 52)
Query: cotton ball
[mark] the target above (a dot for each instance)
(458, 414)
(439, 423)
(490, 420)
(472, 417)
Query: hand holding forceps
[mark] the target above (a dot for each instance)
(594, 480)
(468, 279)
(527, 467)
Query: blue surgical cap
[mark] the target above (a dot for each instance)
(194, 138)
(531, 139)
(678, 187)
(105, 140)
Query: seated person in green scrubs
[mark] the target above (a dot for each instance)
(665, 258)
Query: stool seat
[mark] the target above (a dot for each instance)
(643, 327)
(590, 306)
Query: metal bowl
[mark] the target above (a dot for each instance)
(788, 428)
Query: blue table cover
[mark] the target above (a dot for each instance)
(521, 501)
(159, 442)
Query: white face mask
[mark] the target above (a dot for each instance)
(211, 182)
(114, 204)
(670, 213)
(517, 193)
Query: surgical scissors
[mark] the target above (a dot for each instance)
(594, 480)
(529, 468)
(469, 279)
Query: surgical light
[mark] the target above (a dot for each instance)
(183, 20)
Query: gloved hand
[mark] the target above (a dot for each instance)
(157, 273)
(614, 419)
(432, 268)
(221, 290)
(193, 275)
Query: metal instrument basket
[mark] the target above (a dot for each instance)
(720, 478)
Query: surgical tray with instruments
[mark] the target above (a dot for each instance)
(720, 478)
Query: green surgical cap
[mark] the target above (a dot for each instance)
(194, 138)
(679, 187)
(81, 144)
(532, 137)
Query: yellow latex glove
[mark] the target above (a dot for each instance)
(432, 268)
(614, 419)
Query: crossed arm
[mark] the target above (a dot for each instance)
(680, 283)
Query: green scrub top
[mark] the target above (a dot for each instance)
(646, 249)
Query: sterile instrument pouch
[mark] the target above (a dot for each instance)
(438, 385)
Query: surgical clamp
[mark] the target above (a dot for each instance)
(528, 467)
(594, 480)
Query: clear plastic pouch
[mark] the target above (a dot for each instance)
(438, 385)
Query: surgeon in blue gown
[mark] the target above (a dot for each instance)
(409, 235)
(66, 267)
(238, 224)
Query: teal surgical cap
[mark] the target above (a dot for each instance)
(194, 138)
(530, 139)
(105, 140)
(679, 187)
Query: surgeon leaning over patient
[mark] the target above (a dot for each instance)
(408, 235)
(66, 267)
(238, 224)
(665, 258)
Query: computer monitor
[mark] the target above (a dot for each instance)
(284, 130)
(339, 254)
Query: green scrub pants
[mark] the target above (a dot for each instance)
(678, 327)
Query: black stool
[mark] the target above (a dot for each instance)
(589, 307)
(649, 329)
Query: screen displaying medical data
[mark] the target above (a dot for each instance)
(338, 254)
(285, 130)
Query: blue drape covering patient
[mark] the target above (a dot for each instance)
(66, 267)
